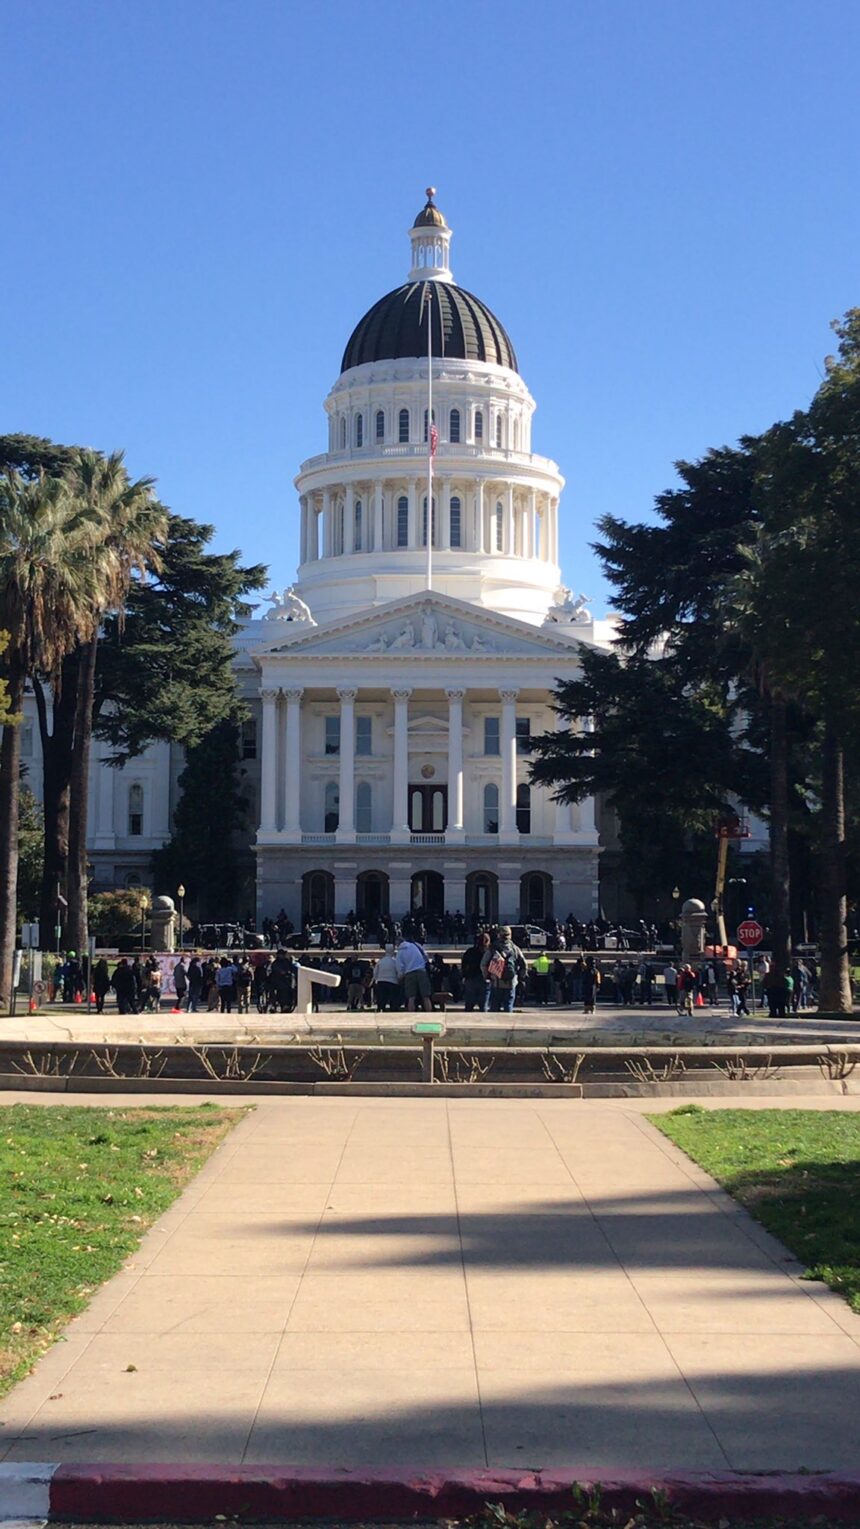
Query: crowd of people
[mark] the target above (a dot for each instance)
(449, 929)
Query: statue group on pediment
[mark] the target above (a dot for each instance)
(288, 606)
(568, 609)
(427, 638)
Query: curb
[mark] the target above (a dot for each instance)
(198, 1493)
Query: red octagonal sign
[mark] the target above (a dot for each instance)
(750, 933)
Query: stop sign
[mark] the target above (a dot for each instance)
(750, 933)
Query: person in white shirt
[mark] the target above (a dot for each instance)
(411, 964)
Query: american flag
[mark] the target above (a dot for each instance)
(434, 440)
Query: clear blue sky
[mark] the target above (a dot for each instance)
(659, 199)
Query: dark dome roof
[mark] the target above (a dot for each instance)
(463, 327)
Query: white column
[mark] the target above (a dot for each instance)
(413, 519)
(377, 516)
(269, 762)
(531, 527)
(328, 528)
(313, 530)
(400, 813)
(479, 517)
(455, 764)
(508, 803)
(508, 546)
(293, 765)
(349, 519)
(553, 536)
(346, 820)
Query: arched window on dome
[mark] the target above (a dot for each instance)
(380, 424)
(403, 425)
(332, 807)
(425, 422)
(356, 526)
(403, 521)
(491, 809)
(363, 808)
(500, 526)
(359, 429)
(424, 523)
(338, 531)
(524, 809)
(499, 430)
(454, 426)
(456, 521)
(343, 432)
(479, 425)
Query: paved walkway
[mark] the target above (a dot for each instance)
(451, 1283)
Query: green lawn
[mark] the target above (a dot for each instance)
(78, 1188)
(796, 1171)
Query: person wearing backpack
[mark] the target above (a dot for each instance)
(356, 977)
(504, 964)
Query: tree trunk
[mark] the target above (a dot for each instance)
(780, 922)
(10, 770)
(57, 748)
(834, 992)
(79, 798)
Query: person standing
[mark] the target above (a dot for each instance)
(411, 963)
(195, 984)
(180, 982)
(504, 964)
(386, 989)
(541, 968)
(590, 985)
(101, 984)
(670, 979)
(476, 988)
(225, 981)
(124, 986)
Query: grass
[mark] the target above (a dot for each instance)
(796, 1171)
(78, 1188)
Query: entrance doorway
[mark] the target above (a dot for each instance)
(482, 897)
(371, 896)
(428, 894)
(428, 809)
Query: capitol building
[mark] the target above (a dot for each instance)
(392, 691)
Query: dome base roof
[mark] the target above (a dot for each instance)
(462, 327)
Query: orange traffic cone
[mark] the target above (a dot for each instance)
(79, 998)
(700, 1002)
(32, 1006)
(93, 998)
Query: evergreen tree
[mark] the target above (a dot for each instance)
(202, 852)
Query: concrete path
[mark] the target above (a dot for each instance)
(451, 1284)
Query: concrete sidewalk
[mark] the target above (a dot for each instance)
(453, 1284)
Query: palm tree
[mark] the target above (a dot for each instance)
(47, 604)
(132, 522)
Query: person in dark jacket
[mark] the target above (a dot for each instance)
(101, 983)
(125, 987)
(195, 984)
(476, 987)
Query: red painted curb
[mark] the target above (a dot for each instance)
(197, 1493)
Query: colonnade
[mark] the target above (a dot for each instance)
(495, 517)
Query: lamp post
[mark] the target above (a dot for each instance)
(676, 897)
(180, 893)
(142, 925)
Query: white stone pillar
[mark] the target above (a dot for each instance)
(531, 526)
(400, 813)
(479, 517)
(346, 819)
(455, 831)
(269, 763)
(313, 551)
(349, 519)
(293, 765)
(377, 516)
(508, 804)
(328, 524)
(413, 519)
(508, 546)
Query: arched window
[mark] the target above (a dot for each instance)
(135, 810)
(332, 807)
(363, 808)
(491, 809)
(343, 433)
(424, 523)
(356, 526)
(359, 429)
(380, 424)
(479, 425)
(500, 526)
(524, 809)
(498, 430)
(456, 522)
(516, 435)
(454, 426)
(338, 531)
(403, 425)
(403, 521)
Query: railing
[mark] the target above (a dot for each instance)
(373, 451)
(373, 838)
(318, 838)
(426, 838)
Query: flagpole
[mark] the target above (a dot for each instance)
(430, 444)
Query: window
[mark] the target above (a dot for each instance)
(343, 434)
(364, 735)
(356, 526)
(132, 879)
(425, 422)
(338, 531)
(135, 810)
(403, 425)
(498, 429)
(479, 426)
(380, 425)
(363, 808)
(332, 735)
(332, 807)
(524, 735)
(359, 429)
(456, 522)
(454, 426)
(491, 735)
(249, 738)
(524, 809)
(403, 521)
(500, 526)
(491, 809)
(424, 523)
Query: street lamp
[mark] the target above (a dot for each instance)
(142, 925)
(180, 893)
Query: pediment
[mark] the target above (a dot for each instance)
(423, 626)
